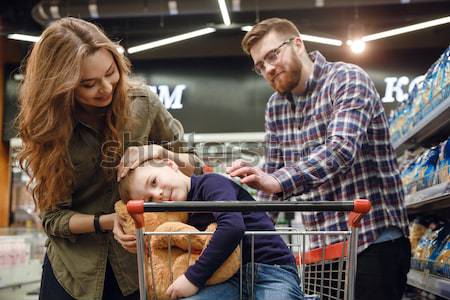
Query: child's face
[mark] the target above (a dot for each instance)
(159, 182)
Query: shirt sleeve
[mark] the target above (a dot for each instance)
(55, 222)
(273, 155)
(230, 230)
(353, 102)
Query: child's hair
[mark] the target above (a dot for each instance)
(124, 186)
(125, 183)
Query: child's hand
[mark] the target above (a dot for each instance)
(127, 241)
(181, 288)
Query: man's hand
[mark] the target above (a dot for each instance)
(128, 241)
(134, 156)
(254, 177)
(181, 288)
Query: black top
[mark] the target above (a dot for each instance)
(268, 249)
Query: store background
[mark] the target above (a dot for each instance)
(218, 93)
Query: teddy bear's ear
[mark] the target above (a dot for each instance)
(121, 210)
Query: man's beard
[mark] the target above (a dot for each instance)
(286, 82)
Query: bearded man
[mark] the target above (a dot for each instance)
(327, 139)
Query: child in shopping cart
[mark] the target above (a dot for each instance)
(275, 275)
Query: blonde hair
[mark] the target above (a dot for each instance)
(46, 119)
(280, 26)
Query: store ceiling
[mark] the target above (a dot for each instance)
(137, 21)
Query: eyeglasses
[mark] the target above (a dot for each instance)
(270, 58)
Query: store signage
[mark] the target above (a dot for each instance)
(395, 88)
(170, 100)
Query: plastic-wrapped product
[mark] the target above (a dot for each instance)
(417, 229)
(442, 263)
(443, 165)
(440, 255)
(408, 177)
(427, 168)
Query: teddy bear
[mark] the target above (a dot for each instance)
(170, 256)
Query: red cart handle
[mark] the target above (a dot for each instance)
(136, 210)
(361, 207)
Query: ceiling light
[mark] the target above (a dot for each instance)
(236, 5)
(357, 46)
(54, 11)
(320, 40)
(405, 29)
(34, 39)
(23, 37)
(171, 40)
(224, 12)
(93, 10)
(173, 7)
(308, 38)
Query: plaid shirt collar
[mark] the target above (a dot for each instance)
(319, 62)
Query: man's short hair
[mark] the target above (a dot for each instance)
(281, 26)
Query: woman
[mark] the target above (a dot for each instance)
(78, 111)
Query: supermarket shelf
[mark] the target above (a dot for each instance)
(436, 285)
(437, 120)
(433, 194)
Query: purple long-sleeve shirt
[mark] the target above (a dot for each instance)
(268, 249)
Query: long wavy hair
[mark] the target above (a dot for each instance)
(46, 118)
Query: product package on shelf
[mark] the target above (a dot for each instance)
(423, 98)
(443, 173)
(426, 167)
(432, 252)
(439, 261)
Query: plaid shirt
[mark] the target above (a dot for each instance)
(332, 143)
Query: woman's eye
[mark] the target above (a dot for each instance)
(88, 86)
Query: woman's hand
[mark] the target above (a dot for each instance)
(128, 241)
(181, 288)
(134, 156)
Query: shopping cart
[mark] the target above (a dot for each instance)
(326, 273)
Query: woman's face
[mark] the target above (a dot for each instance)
(99, 77)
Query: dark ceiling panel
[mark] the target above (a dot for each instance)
(137, 21)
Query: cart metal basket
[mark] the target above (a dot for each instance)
(325, 273)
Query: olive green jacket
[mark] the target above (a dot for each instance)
(79, 261)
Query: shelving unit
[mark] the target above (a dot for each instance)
(436, 285)
(436, 122)
(435, 125)
(435, 195)
(430, 130)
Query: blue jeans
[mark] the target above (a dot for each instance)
(270, 283)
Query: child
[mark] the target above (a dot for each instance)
(275, 272)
